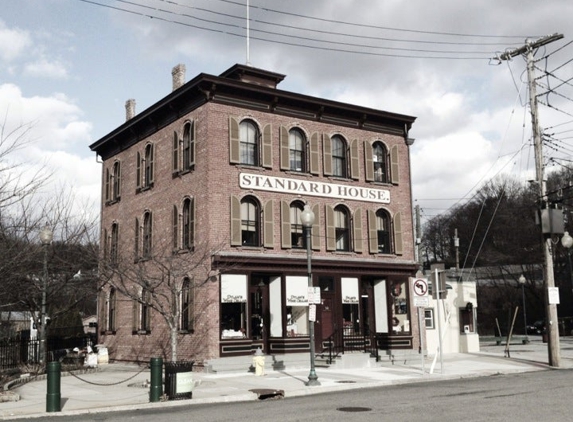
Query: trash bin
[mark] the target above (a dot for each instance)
(259, 363)
(179, 380)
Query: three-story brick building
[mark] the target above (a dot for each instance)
(201, 200)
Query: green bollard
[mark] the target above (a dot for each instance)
(53, 396)
(156, 388)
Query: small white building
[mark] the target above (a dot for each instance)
(455, 315)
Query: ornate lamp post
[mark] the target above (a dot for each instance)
(567, 242)
(307, 220)
(522, 282)
(46, 236)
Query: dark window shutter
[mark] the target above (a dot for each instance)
(284, 150)
(330, 229)
(285, 226)
(314, 153)
(358, 238)
(235, 221)
(372, 232)
(394, 164)
(327, 156)
(398, 242)
(269, 234)
(354, 160)
(138, 171)
(268, 146)
(175, 152)
(316, 229)
(234, 157)
(368, 162)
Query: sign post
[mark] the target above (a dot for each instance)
(421, 301)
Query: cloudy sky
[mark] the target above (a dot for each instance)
(68, 66)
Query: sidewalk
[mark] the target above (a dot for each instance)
(116, 387)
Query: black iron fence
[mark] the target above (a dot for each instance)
(17, 352)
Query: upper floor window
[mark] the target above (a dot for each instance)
(184, 149)
(188, 223)
(342, 228)
(114, 245)
(339, 164)
(147, 235)
(145, 168)
(297, 149)
(142, 313)
(113, 183)
(298, 239)
(383, 231)
(249, 143)
(111, 315)
(250, 222)
(379, 162)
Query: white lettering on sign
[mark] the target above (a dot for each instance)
(305, 187)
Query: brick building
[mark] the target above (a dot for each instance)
(202, 241)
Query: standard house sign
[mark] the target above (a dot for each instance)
(305, 187)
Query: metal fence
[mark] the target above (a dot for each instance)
(17, 352)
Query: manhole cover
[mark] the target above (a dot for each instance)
(354, 409)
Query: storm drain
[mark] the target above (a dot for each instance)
(354, 409)
(346, 382)
(268, 394)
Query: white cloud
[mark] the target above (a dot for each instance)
(13, 42)
(46, 69)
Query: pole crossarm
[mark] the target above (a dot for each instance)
(530, 45)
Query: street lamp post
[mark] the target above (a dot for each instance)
(307, 220)
(46, 237)
(522, 282)
(567, 242)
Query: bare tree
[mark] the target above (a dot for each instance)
(163, 280)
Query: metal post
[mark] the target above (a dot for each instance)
(526, 340)
(53, 395)
(312, 377)
(42, 319)
(156, 387)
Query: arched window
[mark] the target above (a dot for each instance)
(188, 152)
(147, 235)
(148, 166)
(383, 230)
(342, 228)
(297, 148)
(111, 310)
(250, 215)
(188, 224)
(116, 184)
(380, 162)
(298, 239)
(114, 245)
(249, 143)
(187, 302)
(339, 165)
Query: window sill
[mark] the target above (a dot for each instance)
(108, 333)
(112, 201)
(141, 332)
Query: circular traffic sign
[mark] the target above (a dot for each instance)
(420, 287)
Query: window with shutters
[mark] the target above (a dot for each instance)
(342, 228)
(145, 169)
(339, 156)
(380, 162)
(383, 230)
(250, 222)
(248, 143)
(188, 147)
(113, 184)
(142, 313)
(187, 304)
(114, 245)
(298, 239)
(147, 235)
(297, 150)
(188, 224)
(111, 310)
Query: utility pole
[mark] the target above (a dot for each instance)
(419, 239)
(548, 279)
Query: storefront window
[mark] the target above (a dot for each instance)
(297, 306)
(350, 310)
(233, 306)
(399, 322)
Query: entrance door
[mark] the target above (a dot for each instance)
(259, 313)
(326, 326)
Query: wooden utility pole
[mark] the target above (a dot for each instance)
(548, 280)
